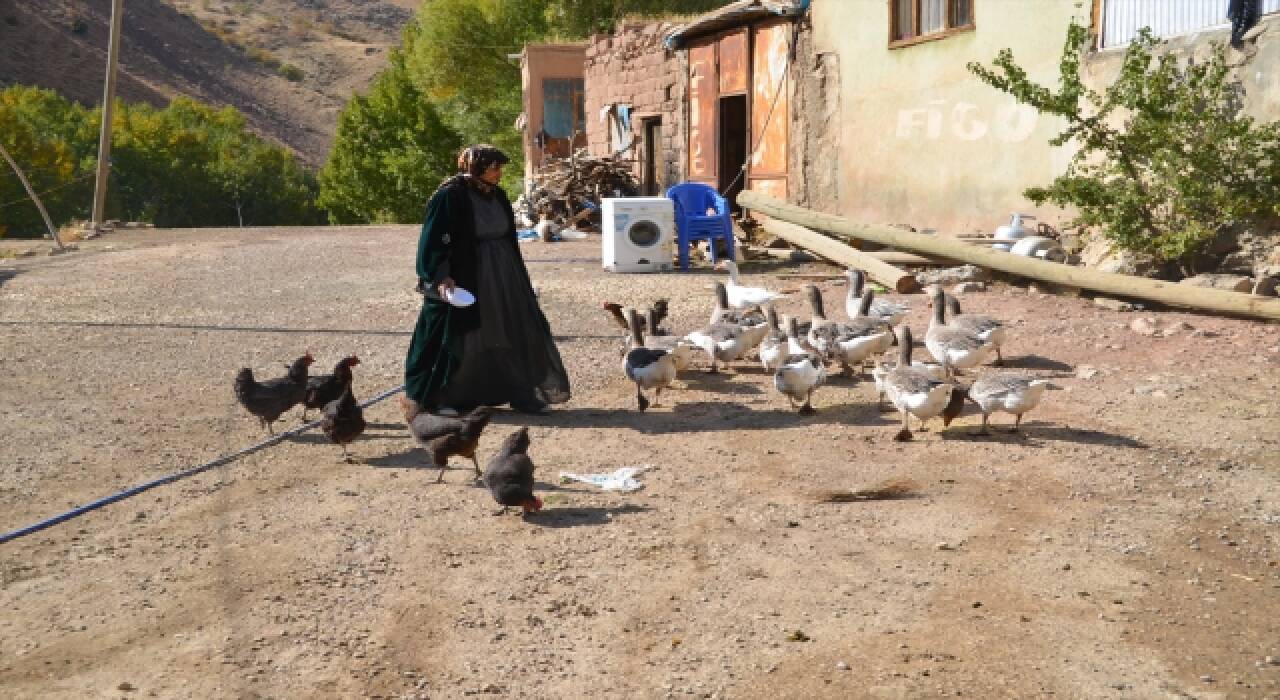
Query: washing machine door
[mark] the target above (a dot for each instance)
(644, 234)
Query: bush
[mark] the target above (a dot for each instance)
(291, 72)
(1184, 166)
(261, 55)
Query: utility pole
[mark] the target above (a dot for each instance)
(108, 107)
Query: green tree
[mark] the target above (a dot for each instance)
(454, 77)
(1166, 160)
(580, 18)
(390, 152)
(52, 140)
(187, 164)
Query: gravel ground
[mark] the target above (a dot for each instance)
(1125, 546)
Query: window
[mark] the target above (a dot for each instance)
(564, 109)
(913, 21)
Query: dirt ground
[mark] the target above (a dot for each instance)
(1126, 545)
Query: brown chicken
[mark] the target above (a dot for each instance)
(268, 400)
(446, 436)
(343, 420)
(328, 387)
(509, 475)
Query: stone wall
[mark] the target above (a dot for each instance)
(632, 67)
(815, 126)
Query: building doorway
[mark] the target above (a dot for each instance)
(650, 173)
(733, 146)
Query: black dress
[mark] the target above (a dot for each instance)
(505, 354)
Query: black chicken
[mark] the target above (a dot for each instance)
(509, 475)
(343, 420)
(446, 436)
(268, 400)
(328, 387)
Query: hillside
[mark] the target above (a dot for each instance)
(288, 65)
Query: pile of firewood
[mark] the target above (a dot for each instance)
(568, 190)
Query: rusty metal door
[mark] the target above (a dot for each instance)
(733, 63)
(703, 93)
(770, 108)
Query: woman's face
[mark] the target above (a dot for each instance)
(492, 175)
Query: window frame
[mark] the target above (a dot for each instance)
(949, 29)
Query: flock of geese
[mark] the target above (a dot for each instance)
(798, 354)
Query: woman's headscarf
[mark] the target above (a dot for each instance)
(476, 159)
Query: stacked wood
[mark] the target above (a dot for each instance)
(568, 190)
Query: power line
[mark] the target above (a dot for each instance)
(51, 189)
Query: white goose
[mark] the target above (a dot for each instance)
(775, 347)
(913, 391)
(819, 337)
(881, 371)
(852, 343)
(649, 368)
(890, 311)
(680, 348)
(954, 347)
(1006, 392)
(990, 330)
(741, 297)
(723, 342)
(800, 373)
(753, 323)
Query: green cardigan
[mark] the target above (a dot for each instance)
(447, 248)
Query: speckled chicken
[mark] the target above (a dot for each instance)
(343, 420)
(509, 474)
(270, 399)
(448, 436)
(328, 387)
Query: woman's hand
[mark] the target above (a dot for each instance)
(446, 285)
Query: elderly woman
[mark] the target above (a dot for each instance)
(498, 350)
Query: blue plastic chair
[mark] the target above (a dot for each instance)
(693, 223)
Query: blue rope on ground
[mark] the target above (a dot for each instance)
(178, 476)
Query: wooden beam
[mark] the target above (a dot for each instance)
(1170, 293)
(898, 257)
(894, 278)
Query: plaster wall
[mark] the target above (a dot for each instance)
(921, 141)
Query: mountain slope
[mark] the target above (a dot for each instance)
(288, 65)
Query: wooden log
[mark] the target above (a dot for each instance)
(898, 257)
(787, 254)
(1170, 293)
(892, 277)
(1235, 283)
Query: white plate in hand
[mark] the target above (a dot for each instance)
(459, 297)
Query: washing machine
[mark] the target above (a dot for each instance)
(638, 233)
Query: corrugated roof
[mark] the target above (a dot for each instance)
(735, 14)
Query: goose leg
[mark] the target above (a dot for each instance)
(657, 396)
(641, 402)
(807, 408)
(983, 430)
(905, 434)
(999, 358)
(476, 464)
(1017, 421)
